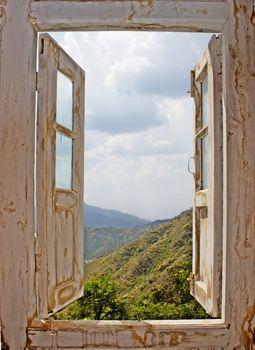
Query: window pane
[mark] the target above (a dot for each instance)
(205, 102)
(64, 153)
(64, 101)
(204, 161)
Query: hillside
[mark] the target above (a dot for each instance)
(100, 241)
(147, 263)
(144, 279)
(98, 217)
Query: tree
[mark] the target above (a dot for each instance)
(100, 301)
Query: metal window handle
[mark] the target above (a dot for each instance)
(189, 170)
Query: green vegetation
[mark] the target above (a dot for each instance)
(100, 241)
(145, 279)
(100, 302)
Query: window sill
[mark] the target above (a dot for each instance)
(188, 334)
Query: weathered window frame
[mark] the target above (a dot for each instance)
(207, 206)
(149, 339)
(59, 228)
(235, 19)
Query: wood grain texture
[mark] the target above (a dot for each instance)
(128, 335)
(207, 209)
(60, 212)
(239, 170)
(187, 16)
(17, 128)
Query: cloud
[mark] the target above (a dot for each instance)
(125, 114)
(139, 118)
(144, 173)
(127, 73)
(154, 186)
(160, 67)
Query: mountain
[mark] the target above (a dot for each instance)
(152, 272)
(144, 279)
(147, 263)
(100, 241)
(98, 217)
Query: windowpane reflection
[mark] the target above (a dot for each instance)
(64, 101)
(205, 102)
(64, 153)
(204, 161)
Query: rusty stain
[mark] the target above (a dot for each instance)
(149, 337)
(148, 5)
(232, 52)
(43, 144)
(8, 206)
(31, 19)
(64, 130)
(172, 338)
(3, 345)
(179, 10)
(133, 12)
(253, 15)
(247, 329)
(22, 225)
(137, 338)
(28, 342)
(65, 252)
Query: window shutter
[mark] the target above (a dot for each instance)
(59, 178)
(207, 210)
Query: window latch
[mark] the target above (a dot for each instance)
(189, 165)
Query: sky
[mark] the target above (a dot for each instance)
(138, 118)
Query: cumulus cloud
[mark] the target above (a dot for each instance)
(139, 118)
(160, 67)
(128, 73)
(116, 114)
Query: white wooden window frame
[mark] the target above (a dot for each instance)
(19, 23)
(207, 230)
(59, 239)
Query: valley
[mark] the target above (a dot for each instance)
(143, 272)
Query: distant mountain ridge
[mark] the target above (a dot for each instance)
(150, 274)
(152, 271)
(98, 217)
(100, 241)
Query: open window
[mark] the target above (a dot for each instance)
(60, 154)
(207, 210)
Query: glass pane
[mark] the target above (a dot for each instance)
(204, 161)
(205, 102)
(64, 101)
(64, 153)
